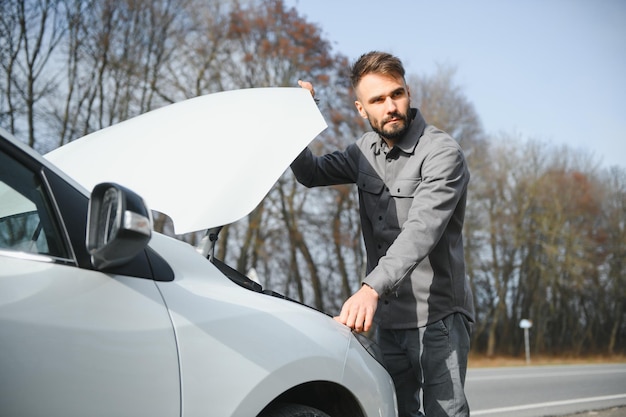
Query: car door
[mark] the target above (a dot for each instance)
(73, 341)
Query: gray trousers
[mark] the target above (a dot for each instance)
(431, 359)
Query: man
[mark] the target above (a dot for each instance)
(412, 184)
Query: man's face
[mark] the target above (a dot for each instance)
(385, 101)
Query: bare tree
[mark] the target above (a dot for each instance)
(196, 66)
(444, 104)
(614, 246)
(542, 211)
(270, 45)
(31, 32)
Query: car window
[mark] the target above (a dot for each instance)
(27, 223)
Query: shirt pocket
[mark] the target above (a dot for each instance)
(404, 187)
(402, 192)
(369, 183)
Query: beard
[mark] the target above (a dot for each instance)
(394, 132)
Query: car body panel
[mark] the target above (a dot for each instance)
(75, 340)
(206, 161)
(214, 315)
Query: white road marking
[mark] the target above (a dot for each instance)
(548, 404)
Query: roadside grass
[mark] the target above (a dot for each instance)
(482, 361)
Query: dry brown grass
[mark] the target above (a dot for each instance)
(477, 361)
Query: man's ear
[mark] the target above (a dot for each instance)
(360, 109)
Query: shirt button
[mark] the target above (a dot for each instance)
(380, 217)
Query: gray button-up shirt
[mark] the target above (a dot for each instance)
(412, 205)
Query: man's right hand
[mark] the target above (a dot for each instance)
(307, 85)
(358, 311)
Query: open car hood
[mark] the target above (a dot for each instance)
(205, 162)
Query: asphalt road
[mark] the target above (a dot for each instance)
(538, 391)
(608, 412)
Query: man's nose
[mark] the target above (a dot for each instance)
(390, 105)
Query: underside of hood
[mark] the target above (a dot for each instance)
(205, 162)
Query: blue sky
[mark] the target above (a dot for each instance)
(549, 70)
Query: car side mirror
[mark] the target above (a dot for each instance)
(119, 225)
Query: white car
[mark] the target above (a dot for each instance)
(101, 316)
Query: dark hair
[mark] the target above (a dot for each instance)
(377, 63)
